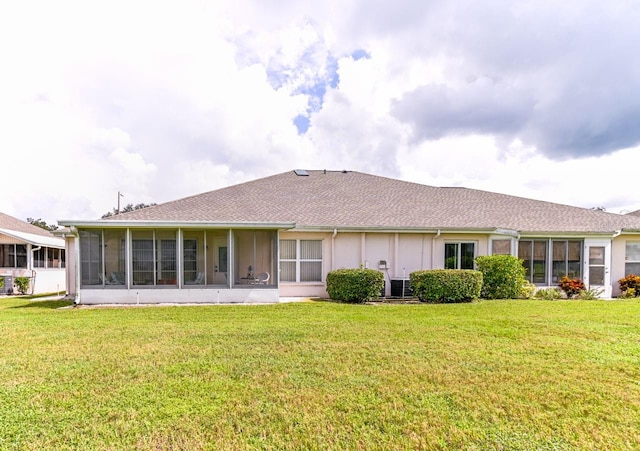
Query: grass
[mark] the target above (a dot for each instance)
(487, 375)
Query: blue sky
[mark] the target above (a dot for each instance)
(163, 100)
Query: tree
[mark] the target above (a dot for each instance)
(127, 208)
(43, 225)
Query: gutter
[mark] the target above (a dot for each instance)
(102, 224)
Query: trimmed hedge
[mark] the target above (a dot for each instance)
(354, 285)
(503, 276)
(446, 285)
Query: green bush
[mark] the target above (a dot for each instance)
(22, 283)
(549, 294)
(1, 282)
(446, 285)
(503, 276)
(527, 290)
(590, 294)
(354, 285)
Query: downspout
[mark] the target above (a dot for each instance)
(77, 300)
(333, 249)
(33, 271)
(433, 248)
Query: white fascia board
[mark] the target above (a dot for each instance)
(107, 224)
(433, 230)
(525, 235)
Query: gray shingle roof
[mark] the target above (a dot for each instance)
(15, 224)
(353, 199)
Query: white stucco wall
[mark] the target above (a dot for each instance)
(482, 246)
(49, 281)
(176, 296)
(618, 259)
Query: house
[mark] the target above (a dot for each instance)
(30, 251)
(281, 235)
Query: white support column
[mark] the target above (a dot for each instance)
(179, 256)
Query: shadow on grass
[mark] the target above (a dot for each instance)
(48, 304)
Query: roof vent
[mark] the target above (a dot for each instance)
(301, 172)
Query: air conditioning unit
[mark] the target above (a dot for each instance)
(401, 288)
(7, 288)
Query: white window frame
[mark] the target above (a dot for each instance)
(626, 257)
(459, 252)
(511, 244)
(298, 260)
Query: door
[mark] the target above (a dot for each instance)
(597, 274)
(221, 260)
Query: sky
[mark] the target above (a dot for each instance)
(161, 100)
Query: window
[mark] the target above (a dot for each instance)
(91, 257)
(142, 258)
(253, 256)
(190, 261)
(13, 255)
(534, 256)
(38, 258)
(565, 259)
(301, 260)
(166, 253)
(501, 247)
(115, 244)
(55, 258)
(632, 258)
(459, 255)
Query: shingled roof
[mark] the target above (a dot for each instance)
(349, 199)
(28, 233)
(10, 223)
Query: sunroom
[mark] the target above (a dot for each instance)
(177, 264)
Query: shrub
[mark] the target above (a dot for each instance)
(590, 294)
(22, 283)
(630, 285)
(527, 290)
(629, 293)
(549, 294)
(446, 285)
(354, 285)
(503, 276)
(571, 287)
(1, 282)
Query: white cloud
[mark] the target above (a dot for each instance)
(162, 100)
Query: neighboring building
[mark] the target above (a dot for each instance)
(30, 251)
(291, 229)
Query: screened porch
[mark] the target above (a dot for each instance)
(125, 258)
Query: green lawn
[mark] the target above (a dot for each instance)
(487, 375)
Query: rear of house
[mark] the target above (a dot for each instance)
(32, 253)
(280, 236)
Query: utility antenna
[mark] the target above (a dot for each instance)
(119, 196)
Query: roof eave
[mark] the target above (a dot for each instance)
(430, 230)
(113, 223)
(34, 240)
